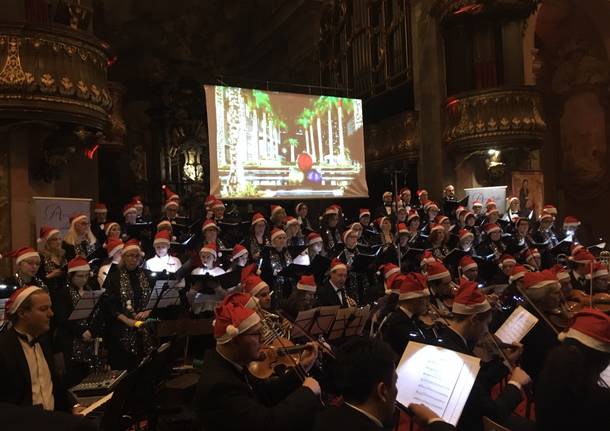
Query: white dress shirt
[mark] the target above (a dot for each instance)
(40, 375)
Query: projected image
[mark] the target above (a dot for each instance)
(282, 145)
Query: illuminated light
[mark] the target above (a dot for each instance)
(491, 152)
(473, 9)
(453, 101)
(91, 152)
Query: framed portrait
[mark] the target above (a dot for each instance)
(528, 186)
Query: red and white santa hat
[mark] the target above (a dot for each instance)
(507, 259)
(169, 194)
(388, 269)
(465, 234)
(275, 232)
(490, 228)
(570, 221)
(209, 224)
(412, 286)
(392, 284)
(258, 218)
(460, 210)
(164, 224)
(436, 226)
(382, 219)
(348, 233)
(298, 206)
(386, 194)
(231, 320)
(238, 251)
(218, 204)
(490, 203)
(75, 218)
(469, 300)
(208, 200)
(209, 248)
(331, 210)
(336, 264)
(582, 256)
(291, 220)
(428, 258)
(545, 215)
(531, 254)
(440, 219)
(477, 204)
(275, 209)
(253, 284)
(79, 263)
(22, 254)
(129, 208)
(431, 206)
(560, 272)
(109, 226)
(413, 214)
(137, 202)
(313, 238)
(549, 209)
(307, 283)
(17, 298)
(241, 298)
(100, 208)
(518, 273)
(363, 212)
(113, 246)
(171, 204)
(47, 232)
(510, 200)
(537, 280)
(599, 270)
(590, 327)
(422, 192)
(492, 210)
(402, 228)
(467, 263)
(436, 271)
(132, 244)
(162, 238)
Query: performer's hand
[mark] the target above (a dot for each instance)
(313, 385)
(422, 414)
(86, 336)
(143, 315)
(513, 354)
(520, 376)
(309, 356)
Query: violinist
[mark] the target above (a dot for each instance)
(580, 262)
(469, 324)
(403, 325)
(599, 275)
(441, 287)
(570, 394)
(226, 399)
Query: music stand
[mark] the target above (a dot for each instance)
(163, 295)
(3, 322)
(86, 305)
(315, 321)
(349, 322)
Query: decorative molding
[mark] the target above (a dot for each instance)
(393, 139)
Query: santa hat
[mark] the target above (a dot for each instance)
(510, 200)
(477, 204)
(468, 214)
(109, 226)
(543, 216)
(209, 224)
(467, 263)
(570, 221)
(575, 248)
(232, 320)
(238, 251)
(169, 194)
(79, 263)
(386, 194)
(164, 223)
(298, 206)
(469, 300)
(412, 214)
(507, 259)
(439, 219)
(307, 283)
(218, 204)
(490, 228)
(208, 200)
(404, 189)
(132, 244)
(275, 232)
(413, 286)
(590, 327)
(599, 270)
(313, 238)
(253, 284)
(490, 203)
(240, 298)
(275, 208)
(363, 212)
(382, 219)
(392, 284)
(129, 208)
(162, 237)
(431, 206)
(537, 280)
(436, 271)
(388, 269)
(560, 272)
(331, 210)
(549, 209)
(336, 264)
(337, 207)
(347, 233)
(460, 210)
(17, 298)
(209, 248)
(518, 273)
(465, 233)
(22, 254)
(75, 218)
(422, 192)
(428, 258)
(531, 254)
(291, 220)
(492, 210)
(436, 226)
(113, 246)
(137, 202)
(100, 208)
(258, 217)
(582, 256)
(47, 232)
(402, 228)
(171, 204)
(249, 270)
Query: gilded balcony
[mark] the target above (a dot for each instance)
(53, 73)
(392, 139)
(496, 118)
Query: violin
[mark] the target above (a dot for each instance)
(579, 300)
(276, 359)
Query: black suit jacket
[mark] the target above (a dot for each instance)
(226, 402)
(399, 329)
(16, 387)
(19, 418)
(479, 401)
(327, 295)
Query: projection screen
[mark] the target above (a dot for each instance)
(272, 145)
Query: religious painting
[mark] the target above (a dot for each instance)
(528, 186)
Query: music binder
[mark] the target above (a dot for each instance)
(516, 327)
(85, 305)
(439, 378)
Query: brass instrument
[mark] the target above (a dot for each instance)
(604, 257)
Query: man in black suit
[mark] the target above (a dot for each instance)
(26, 364)
(332, 292)
(471, 318)
(20, 418)
(226, 399)
(366, 378)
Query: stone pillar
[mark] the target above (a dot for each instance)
(512, 52)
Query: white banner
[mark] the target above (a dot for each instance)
(481, 194)
(56, 212)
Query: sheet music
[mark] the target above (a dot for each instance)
(439, 378)
(518, 324)
(605, 376)
(170, 295)
(85, 305)
(317, 320)
(302, 259)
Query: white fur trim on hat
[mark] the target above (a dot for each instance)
(277, 233)
(438, 276)
(338, 266)
(233, 331)
(25, 256)
(470, 309)
(208, 250)
(238, 255)
(413, 295)
(161, 241)
(115, 250)
(131, 247)
(541, 284)
(469, 266)
(22, 297)
(390, 272)
(79, 268)
(307, 287)
(79, 218)
(585, 339)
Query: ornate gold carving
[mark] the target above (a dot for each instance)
(47, 83)
(395, 137)
(12, 73)
(82, 91)
(66, 86)
(95, 93)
